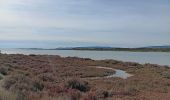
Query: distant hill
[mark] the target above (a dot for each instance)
(103, 48)
(88, 47)
(167, 46)
(140, 49)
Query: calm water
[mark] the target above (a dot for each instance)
(118, 73)
(161, 58)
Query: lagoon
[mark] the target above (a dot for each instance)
(161, 58)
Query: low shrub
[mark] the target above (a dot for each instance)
(54, 90)
(33, 55)
(3, 70)
(14, 61)
(74, 95)
(90, 96)
(105, 94)
(78, 85)
(5, 95)
(130, 90)
(38, 86)
(8, 83)
(87, 59)
(46, 77)
(166, 74)
(1, 77)
(18, 82)
(21, 96)
(102, 94)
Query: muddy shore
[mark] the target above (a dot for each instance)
(47, 77)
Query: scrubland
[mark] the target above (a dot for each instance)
(47, 77)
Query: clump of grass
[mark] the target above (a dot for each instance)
(23, 86)
(90, 96)
(5, 95)
(166, 74)
(38, 86)
(1, 77)
(78, 85)
(105, 94)
(3, 70)
(130, 90)
(21, 82)
(8, 83)
(74, 95)
(33, 55)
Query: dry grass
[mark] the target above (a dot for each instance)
(7, 96)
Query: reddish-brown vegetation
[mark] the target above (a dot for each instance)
(45, 77)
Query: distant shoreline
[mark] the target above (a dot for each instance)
(122, 49)
(108, 49)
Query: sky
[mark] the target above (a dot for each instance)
(67, 23)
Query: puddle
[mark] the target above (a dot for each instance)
(118, 73)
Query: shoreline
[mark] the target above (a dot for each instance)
(140, 61)
(107, 49)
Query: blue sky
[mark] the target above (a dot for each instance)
(62, 23)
